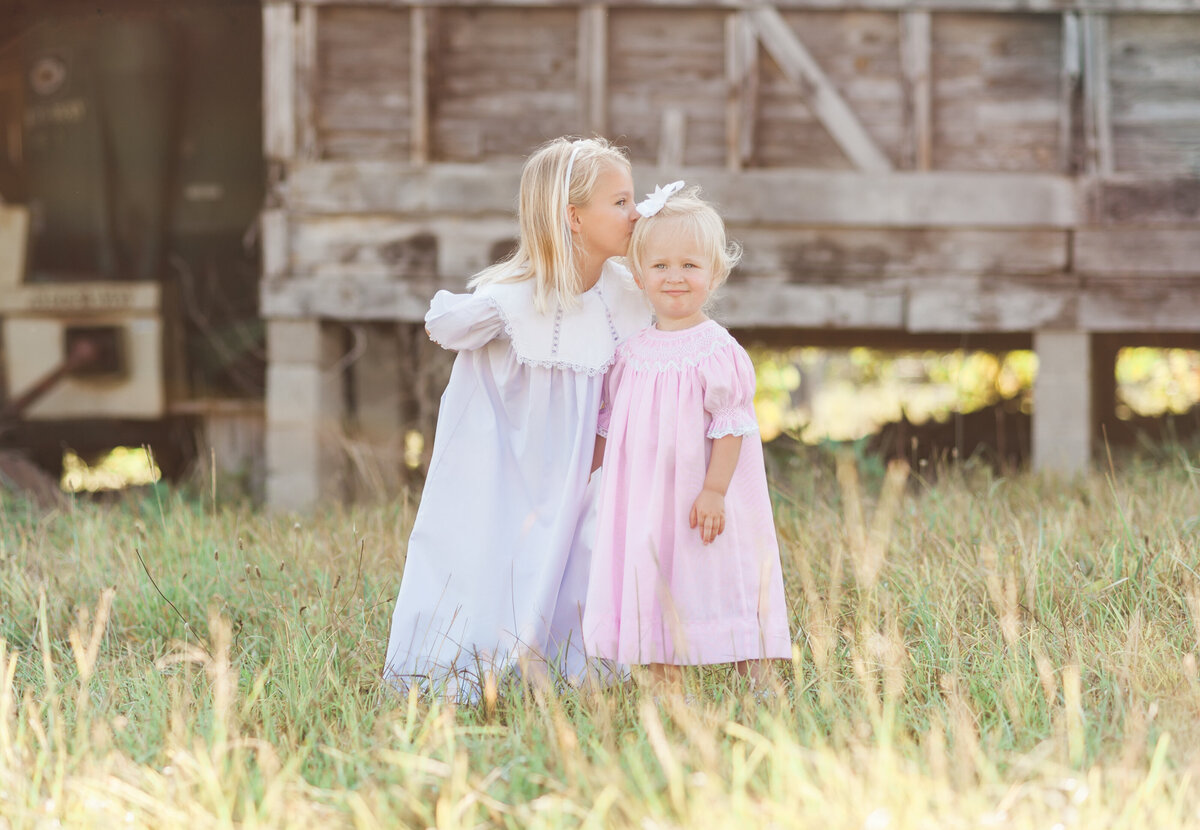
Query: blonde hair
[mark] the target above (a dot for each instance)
(546, 250)
(687, 211)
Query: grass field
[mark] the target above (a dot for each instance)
(972, 650)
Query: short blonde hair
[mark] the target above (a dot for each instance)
(545, 250)
(689, 212)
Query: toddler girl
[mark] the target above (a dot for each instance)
(686, 566)
(495, 569)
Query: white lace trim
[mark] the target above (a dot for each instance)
(724, 431)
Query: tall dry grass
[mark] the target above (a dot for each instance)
(971, 650)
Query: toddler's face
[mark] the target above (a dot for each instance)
(676, 275)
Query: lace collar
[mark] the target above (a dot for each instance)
(582, 339)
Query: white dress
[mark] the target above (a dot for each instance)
(498, 558)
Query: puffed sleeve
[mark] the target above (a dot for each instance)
(462, 322)
(611, 379)
(728, 376)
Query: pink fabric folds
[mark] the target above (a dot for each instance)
(657, 594)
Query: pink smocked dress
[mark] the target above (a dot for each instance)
(657, 594)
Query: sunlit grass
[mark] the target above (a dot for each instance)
(975, 651)
(120, 468)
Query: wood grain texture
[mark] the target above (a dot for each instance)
(364, 100)
(1154, 78)
(996, 91)
(503, 81)
(662, 60)
(859, 52)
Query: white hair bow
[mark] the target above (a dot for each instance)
(654, 201)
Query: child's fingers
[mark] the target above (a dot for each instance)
(693, 519)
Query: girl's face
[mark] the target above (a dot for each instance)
(603, 226)
(676, 275)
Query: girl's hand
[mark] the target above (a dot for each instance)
(708, 513)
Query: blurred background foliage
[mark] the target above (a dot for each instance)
(816, 394)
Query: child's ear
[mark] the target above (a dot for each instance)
(573, 220)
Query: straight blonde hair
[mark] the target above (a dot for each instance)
(546, 249)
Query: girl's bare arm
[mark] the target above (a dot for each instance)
(708, 511)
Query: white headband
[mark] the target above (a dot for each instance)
(578, 145)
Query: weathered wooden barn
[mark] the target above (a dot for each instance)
(1003, 173)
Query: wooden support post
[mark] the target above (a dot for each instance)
(274, 243)
(671, 139)
(1105, 348)
(819, 92)
(279, 68)
(915, 50)
(1072, 63)
(1062, 409)
(1098, 105)
(304, 412)
(593, 67)
(741, 74)
(306, 84)
(418, 94)
(377, 446)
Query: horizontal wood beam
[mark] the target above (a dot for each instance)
(926, 304)
(1023, 6)
(771, 197)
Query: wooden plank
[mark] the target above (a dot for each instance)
(1153, 75)
(382, 247)
(850, 256)
(1023, 6)
(1147, 305)
(660, 59)
(820, 94)
(741, 73)
(1141, 200)
(671, 139)
(593, 67)
(1128, 252)
(763, 302)
(1097, 121)
(418, 96)
(273, 239)
(898, 199)
(279, 67)
(306, 84)
(349, 298)
(506, 81)
(915, 44)
(985, 304)
(860, 53)
(996, 92)
(364, 106)
(1069, 89)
